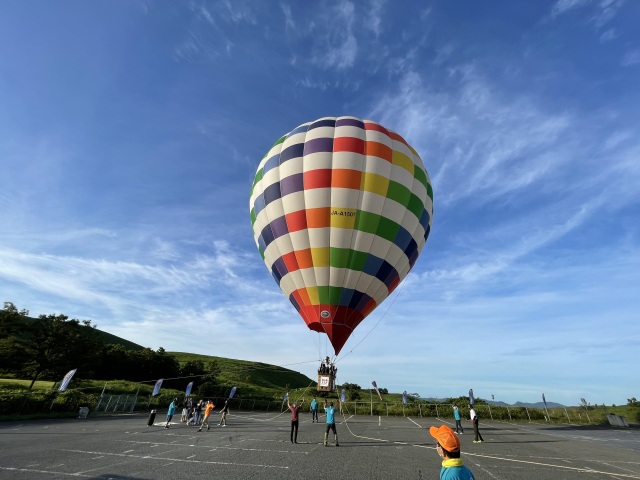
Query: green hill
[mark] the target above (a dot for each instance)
(254, 378)
(105, 336)
(250, 374)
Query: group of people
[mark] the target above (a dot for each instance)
(447, 441)
(473, 417)
(326, 367)
(448, 446)
(330, 411)
(197, 414)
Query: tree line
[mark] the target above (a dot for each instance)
(47, 347)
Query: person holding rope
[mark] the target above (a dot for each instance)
(170, 412)
(474, 420)
(456, 415)
(331, 422)
(295, 411)
(314, 411)
(207, 413)
(223, 412)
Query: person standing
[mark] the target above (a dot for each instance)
(171, 411)
(314, 411)
(474, 420)
(224, 411)
(207, 411)
(456, 415)
(448, 447)
(198, 412)
(331, 422)
(185, 410)
(295, 411)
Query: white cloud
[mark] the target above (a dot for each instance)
(562, 6)
(601, 14)
(631, 58)
(288, 16)
(609, 35)
(239, 11)
(373, 18)
(607, 10)
(336, 46)
(204, 13)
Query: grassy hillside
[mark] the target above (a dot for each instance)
(254, 374)
(105, 336)
(255, 378)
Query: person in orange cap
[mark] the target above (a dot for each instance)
(448, 448)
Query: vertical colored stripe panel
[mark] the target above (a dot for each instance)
(348, 144)
(375, 184)
(344, 178)
(317, 179)
(318, 217)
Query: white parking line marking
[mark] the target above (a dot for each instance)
(257, 465)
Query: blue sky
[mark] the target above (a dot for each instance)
(130, 133)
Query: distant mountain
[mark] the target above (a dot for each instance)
(497, 404)
(526, 404)
(538, 405)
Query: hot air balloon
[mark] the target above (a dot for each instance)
(340, 210)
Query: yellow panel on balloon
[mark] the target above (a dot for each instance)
(374, 183)
(314, 298)
(343, 218)
(320, 257)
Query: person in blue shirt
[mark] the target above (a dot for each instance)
(456, 415)
(171, 411)
(314, 411)
(448, 447)
(331, 422)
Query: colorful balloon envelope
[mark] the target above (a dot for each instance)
(341, 209)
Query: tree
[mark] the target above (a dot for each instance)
(632, 402)
(56, 346)
(353, 390)
(11, 320)
(11, 353)
(193, 368)
(207, 389)
(12, 337)
(213, 371)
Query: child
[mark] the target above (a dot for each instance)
(448, 448)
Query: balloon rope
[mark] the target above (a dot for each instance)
(399, 291)
(346, 424)
(287, 410)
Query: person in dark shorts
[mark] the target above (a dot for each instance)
(331, 423)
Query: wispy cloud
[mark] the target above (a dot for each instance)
(601, 13)
(374, 16)
(289, 22)
(631, 58)
(562, 6)
(609, 35)
(336, 46)
(239, 11)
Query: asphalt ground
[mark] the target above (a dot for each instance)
(257, 446)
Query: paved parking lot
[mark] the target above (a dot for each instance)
(256, 446)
